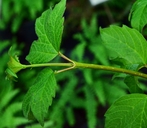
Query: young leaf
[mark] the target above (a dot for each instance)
(138, 14)
(129, 111)
(39, 96)
(49, 28)
(128, 44)
(14, 66)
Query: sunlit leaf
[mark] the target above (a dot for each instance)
(127, 44)
(49, 28)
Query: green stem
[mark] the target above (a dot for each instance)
(74, 65)
(49, 65)
(109, 68)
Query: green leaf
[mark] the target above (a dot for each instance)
(39, 96)
(34, 7)
(91, 107)
(49, 28)
(70, 116)
(138, 14)
(129, 111)
(100, 92)
(14, 66)
(59, 111)
(132, 81)
(127, 44)
(8, 116)
(7, 97)
(133, 84)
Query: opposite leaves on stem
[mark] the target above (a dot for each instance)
(49, 28)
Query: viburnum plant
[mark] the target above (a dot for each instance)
(127, 47)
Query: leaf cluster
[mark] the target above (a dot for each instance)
(14, 12)
(116, 46)
(120, 40)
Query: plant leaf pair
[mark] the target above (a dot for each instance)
(49, 28)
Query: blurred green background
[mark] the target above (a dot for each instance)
(83, 96)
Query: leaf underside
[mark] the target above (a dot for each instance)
(129, 111)
(39, 97)
(49, 28)
(138, 15)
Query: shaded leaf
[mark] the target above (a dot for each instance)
(59, 111)
(138, 14)
(39, 96)
(91, 107)
(133, 84)
(70, 116)
(8, 116)
(128, 44)
(49, 28)
(129, 111)
(100, 92)
(7, 97)
(132, 81)
(34, 6)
